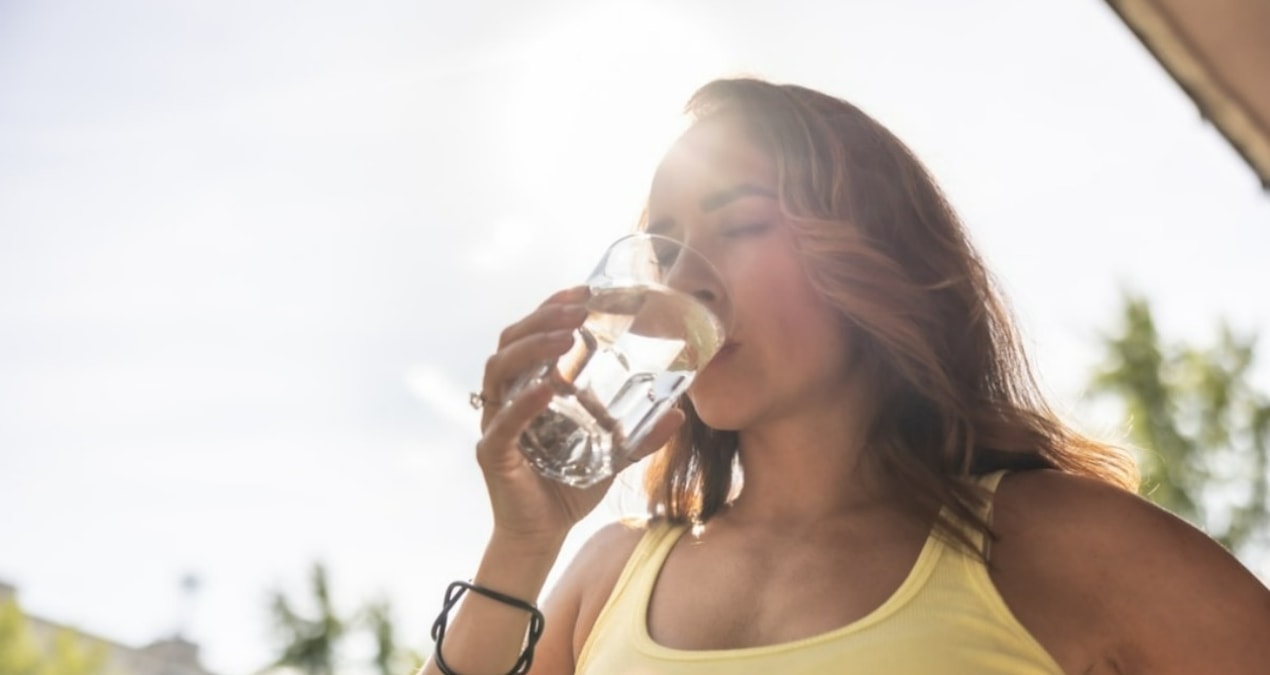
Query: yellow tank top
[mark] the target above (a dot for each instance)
(946, 617)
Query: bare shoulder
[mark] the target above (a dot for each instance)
(1102, 576)
(1079, 509)
(603, 556)
(1092, 527)
(591, 576)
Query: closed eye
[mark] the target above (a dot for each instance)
(742, 230)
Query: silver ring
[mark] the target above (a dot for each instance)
(477, 400)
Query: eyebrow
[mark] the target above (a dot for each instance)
(717, 200)
(722, 198)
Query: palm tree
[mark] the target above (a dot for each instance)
(309, 643)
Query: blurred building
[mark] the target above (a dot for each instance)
(1218, 51)
(170, 656)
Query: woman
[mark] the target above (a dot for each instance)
(865, 480)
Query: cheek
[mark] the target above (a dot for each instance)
(807, 333)
(789, 312)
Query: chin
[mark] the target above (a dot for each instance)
(718, 396)
(716, 411)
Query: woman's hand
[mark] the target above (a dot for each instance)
(529, 509)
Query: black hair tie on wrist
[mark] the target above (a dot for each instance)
(452, 596)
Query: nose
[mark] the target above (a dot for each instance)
(691, 273)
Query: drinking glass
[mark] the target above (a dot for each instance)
(639, 349)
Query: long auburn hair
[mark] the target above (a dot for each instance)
(929, 329)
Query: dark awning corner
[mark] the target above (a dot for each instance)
(1218, 51)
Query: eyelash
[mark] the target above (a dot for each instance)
(742, 230)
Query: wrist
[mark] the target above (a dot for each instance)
(455, 591)
(527, 545)
(518, 565)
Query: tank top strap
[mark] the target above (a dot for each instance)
(989, 482)
(634, 585)
(644, 565)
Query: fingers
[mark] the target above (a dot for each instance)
(568, 295)
(543, 335)
(562, 310)
(518, 357)
(496, 451)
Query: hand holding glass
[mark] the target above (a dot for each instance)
(639, 349)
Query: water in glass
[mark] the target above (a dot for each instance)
(636, 353)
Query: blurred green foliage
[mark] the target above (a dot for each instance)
(65, 652)
(1201, 426)
(312, 642)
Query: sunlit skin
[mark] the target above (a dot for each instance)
(783, 381)
(787, 388)
(785, 346)
(812, 543)
(1103, 581)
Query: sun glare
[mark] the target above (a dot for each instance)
(597, 107)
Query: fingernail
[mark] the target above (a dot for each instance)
(573, 311)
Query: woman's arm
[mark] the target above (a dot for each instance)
(1106, 579)
(570, 610)
(485, 636)
(532, 515)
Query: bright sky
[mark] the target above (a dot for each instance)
(253, 253)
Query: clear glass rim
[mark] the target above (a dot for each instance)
(653, 236)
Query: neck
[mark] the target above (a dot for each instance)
(810, 466)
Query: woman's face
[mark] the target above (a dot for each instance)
(786, 351)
